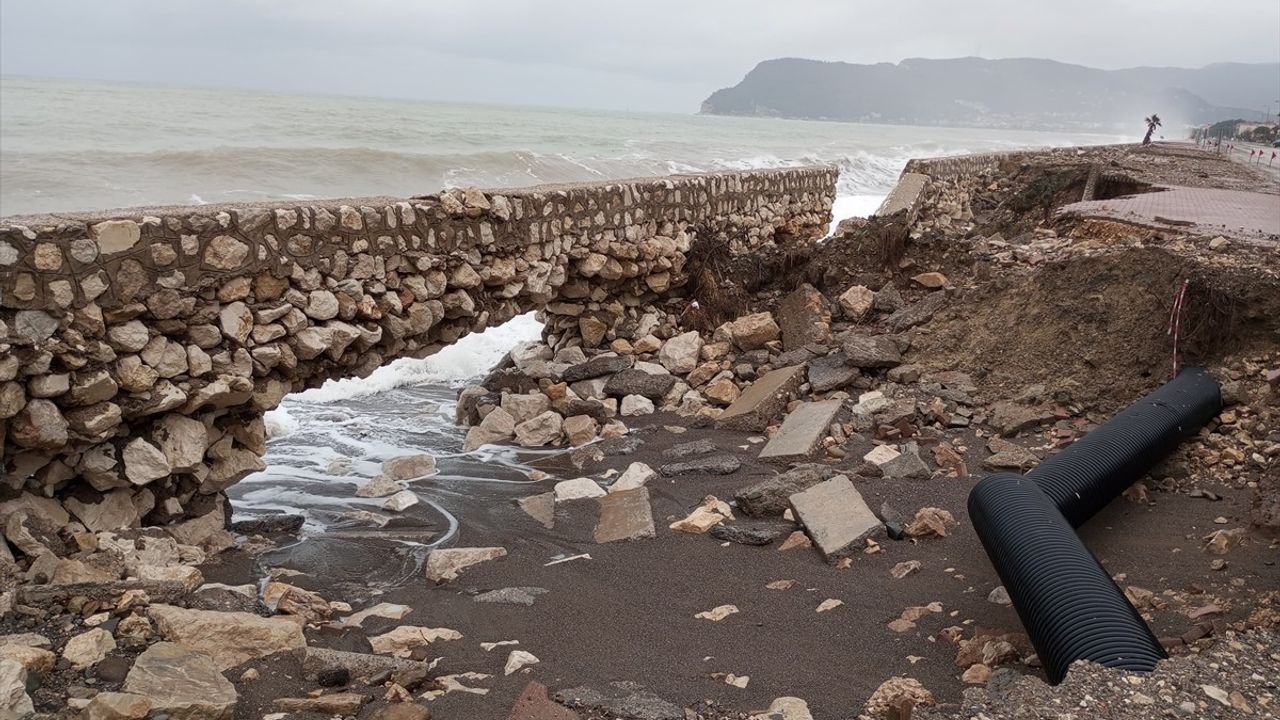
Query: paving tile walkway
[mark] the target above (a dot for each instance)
(1234, 213)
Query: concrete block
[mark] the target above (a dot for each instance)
(625, 515)
(835, 516)
(801, 432)
(763, 401)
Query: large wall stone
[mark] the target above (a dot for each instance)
(140, 348)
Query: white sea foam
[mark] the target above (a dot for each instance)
(473, 355)
(850, 206)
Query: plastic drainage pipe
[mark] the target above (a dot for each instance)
(1090, 473)
(1068, 603)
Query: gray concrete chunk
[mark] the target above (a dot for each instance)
(835, 516)
(763, 401)
(801, 432)
(625, 515)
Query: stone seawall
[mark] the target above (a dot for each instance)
(139, 349)
(946, 168)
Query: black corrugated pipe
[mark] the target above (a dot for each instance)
(1069, 605)
(1090, 473)
(1071, 608)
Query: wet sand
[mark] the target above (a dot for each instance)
(627, 614)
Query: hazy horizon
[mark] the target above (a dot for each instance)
(179, 85)
(663, 57)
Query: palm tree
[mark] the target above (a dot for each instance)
(1152, 122)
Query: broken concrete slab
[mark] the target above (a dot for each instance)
(908, 465)
(771, 497)
(625, 515)
(763, 401)
(801, 432)
(835, 516)
(905, 196)
(881, 454)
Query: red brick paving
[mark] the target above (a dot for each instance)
(1223, 212)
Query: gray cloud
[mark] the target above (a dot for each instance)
(655, 55)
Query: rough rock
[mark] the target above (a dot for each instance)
(744, 535)
(831, 372)
(545, 429)
(896, 697)
(525, 407)
(117, 706)
(404, 639)
(13, 689)
(857, 302)
(88, 648)
(342, 704)
(409, 467)
(401, 501)
(533, 704)
(916, 314)
(540, 507)
(184, 685)
(771, 497)
(867, 351)
(805, 317)
(680, 353)
(597, 366)
(228, 638)
(931, 280)
(636, 405)
(717, 464)
(444, 565)
(635, 476)
(498, 426)
(1011, 418)
(577, 489)
(638, 382)
(751, 332)
(580, 429)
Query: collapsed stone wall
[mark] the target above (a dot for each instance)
(139, 349)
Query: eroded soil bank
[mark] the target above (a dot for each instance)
(668, 570)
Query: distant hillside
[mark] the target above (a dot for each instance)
(1023, 93)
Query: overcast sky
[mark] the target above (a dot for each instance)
(648, 55)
